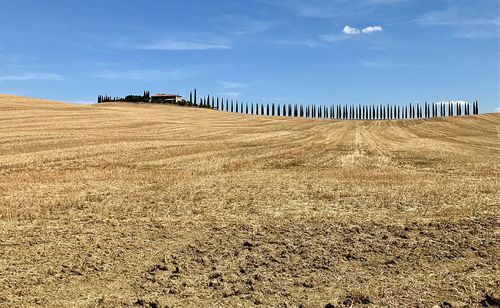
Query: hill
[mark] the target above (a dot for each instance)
(124, 204)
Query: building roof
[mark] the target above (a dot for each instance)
(166, 95)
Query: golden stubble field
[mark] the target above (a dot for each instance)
(144, 205)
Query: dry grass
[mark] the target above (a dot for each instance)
(122, 204)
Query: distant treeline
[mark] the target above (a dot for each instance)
(145, 98)
(351, 112)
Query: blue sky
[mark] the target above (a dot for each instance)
(294, 51)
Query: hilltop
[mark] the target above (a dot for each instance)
(124, 204)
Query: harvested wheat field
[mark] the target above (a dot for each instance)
(148, 205)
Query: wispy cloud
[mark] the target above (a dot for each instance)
(31, 76)
(243, 25)
(146, 75)
(385, 64)
(233, 85)
(230, 94)
(331, 8)
(334, 38)
(465, 23)
(174, 44)
(309, 43)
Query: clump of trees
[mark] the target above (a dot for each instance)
(144, 98)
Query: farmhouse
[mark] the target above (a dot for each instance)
(166, 98)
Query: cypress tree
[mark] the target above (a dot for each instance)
(267, 109)
(195, 100)
(262, 109)
(251, 106)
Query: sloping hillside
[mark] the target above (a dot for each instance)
(123, 204)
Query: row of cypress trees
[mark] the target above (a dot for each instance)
(353, 112)
(359, 112)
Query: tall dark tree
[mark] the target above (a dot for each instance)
(195, 100)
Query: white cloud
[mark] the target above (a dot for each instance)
(31, 76)
(372, 29)
(350, 31)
